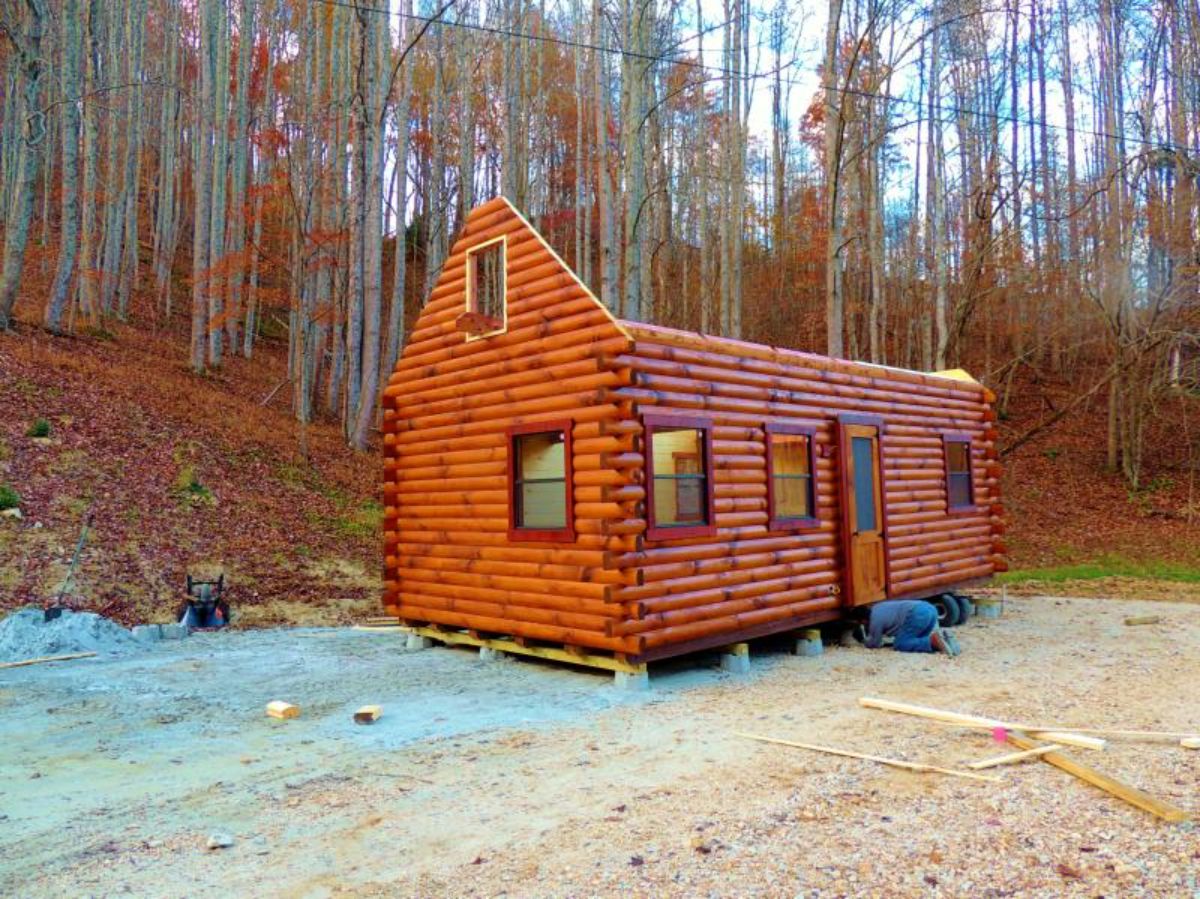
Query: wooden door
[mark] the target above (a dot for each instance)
(862, 516)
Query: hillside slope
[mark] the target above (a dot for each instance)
(188, 473)
(183, 473)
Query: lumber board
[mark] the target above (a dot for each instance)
(42, 659)
(1142, 619)
(879, 759)
(1069, 739)
(1110, 785)
(1010, 757)
(957, 719)
(1190, 742)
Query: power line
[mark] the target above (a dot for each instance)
(952, 109)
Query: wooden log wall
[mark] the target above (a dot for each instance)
(747, 577)
(447, 408)
(449, 560)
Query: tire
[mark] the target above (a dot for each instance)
(950, 613)
(967, 606)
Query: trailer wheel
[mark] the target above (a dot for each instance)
(967, 605)
(950, 613)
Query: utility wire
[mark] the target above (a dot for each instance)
(953, 109)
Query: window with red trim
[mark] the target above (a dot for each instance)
(960, 491)
(679, 473)
(540, 494)
(791, 477)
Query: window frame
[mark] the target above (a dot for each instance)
(517, 533)
(953, 508)
(774, 522)
(655, 531)
(469, 295)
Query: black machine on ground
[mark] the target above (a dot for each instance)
(205, 606)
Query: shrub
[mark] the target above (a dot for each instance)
(39, 428)
(8, 498)
(188, 488)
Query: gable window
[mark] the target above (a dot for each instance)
(679, 470)
(960, 492)
(539, 466)
(791, 495)
(486, 286)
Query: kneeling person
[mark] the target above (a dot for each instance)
(913, 625)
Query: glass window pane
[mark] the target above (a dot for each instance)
(680, 491)
(543, 504)
(863, 453)
(959, 490)
(958, 455)
(789, 454)
(791, 497)
(540, 456)
(541, 481)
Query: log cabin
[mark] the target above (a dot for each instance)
(555, 475)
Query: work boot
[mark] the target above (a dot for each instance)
(944, 641)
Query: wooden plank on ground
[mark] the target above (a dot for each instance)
(41, 659)
(1009, 758)
(1069, 739)
(882, 760)
(1190, 742)
(957, 719)
(1142, 619)
(1110, 785)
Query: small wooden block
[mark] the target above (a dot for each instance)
(281, 709)
(368, 714)
(1142, 619)
(1190, 742)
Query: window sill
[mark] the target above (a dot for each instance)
(793, 524)
(541, 535)
(680, 532)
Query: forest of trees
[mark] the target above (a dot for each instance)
(920, 184)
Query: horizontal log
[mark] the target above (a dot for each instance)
(941, 579)
(734, 410)
(658, 593)
(531, 591)
(547, 608)
(421, 608)
(818, 596)
(730, 624)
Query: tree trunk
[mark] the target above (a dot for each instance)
(69, 237)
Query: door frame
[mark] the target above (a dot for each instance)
(877, 422)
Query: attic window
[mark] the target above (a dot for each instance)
(486, 284)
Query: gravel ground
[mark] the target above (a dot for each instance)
(524, 779)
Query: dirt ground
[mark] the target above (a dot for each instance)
(516, 778)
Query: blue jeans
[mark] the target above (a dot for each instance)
(917, 628)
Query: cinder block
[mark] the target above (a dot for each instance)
(173, 631)
(809, 643)
(736, 660)
(631, 680)
(988, 608)
(147, 633)
(416, 641)
(487, 654)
